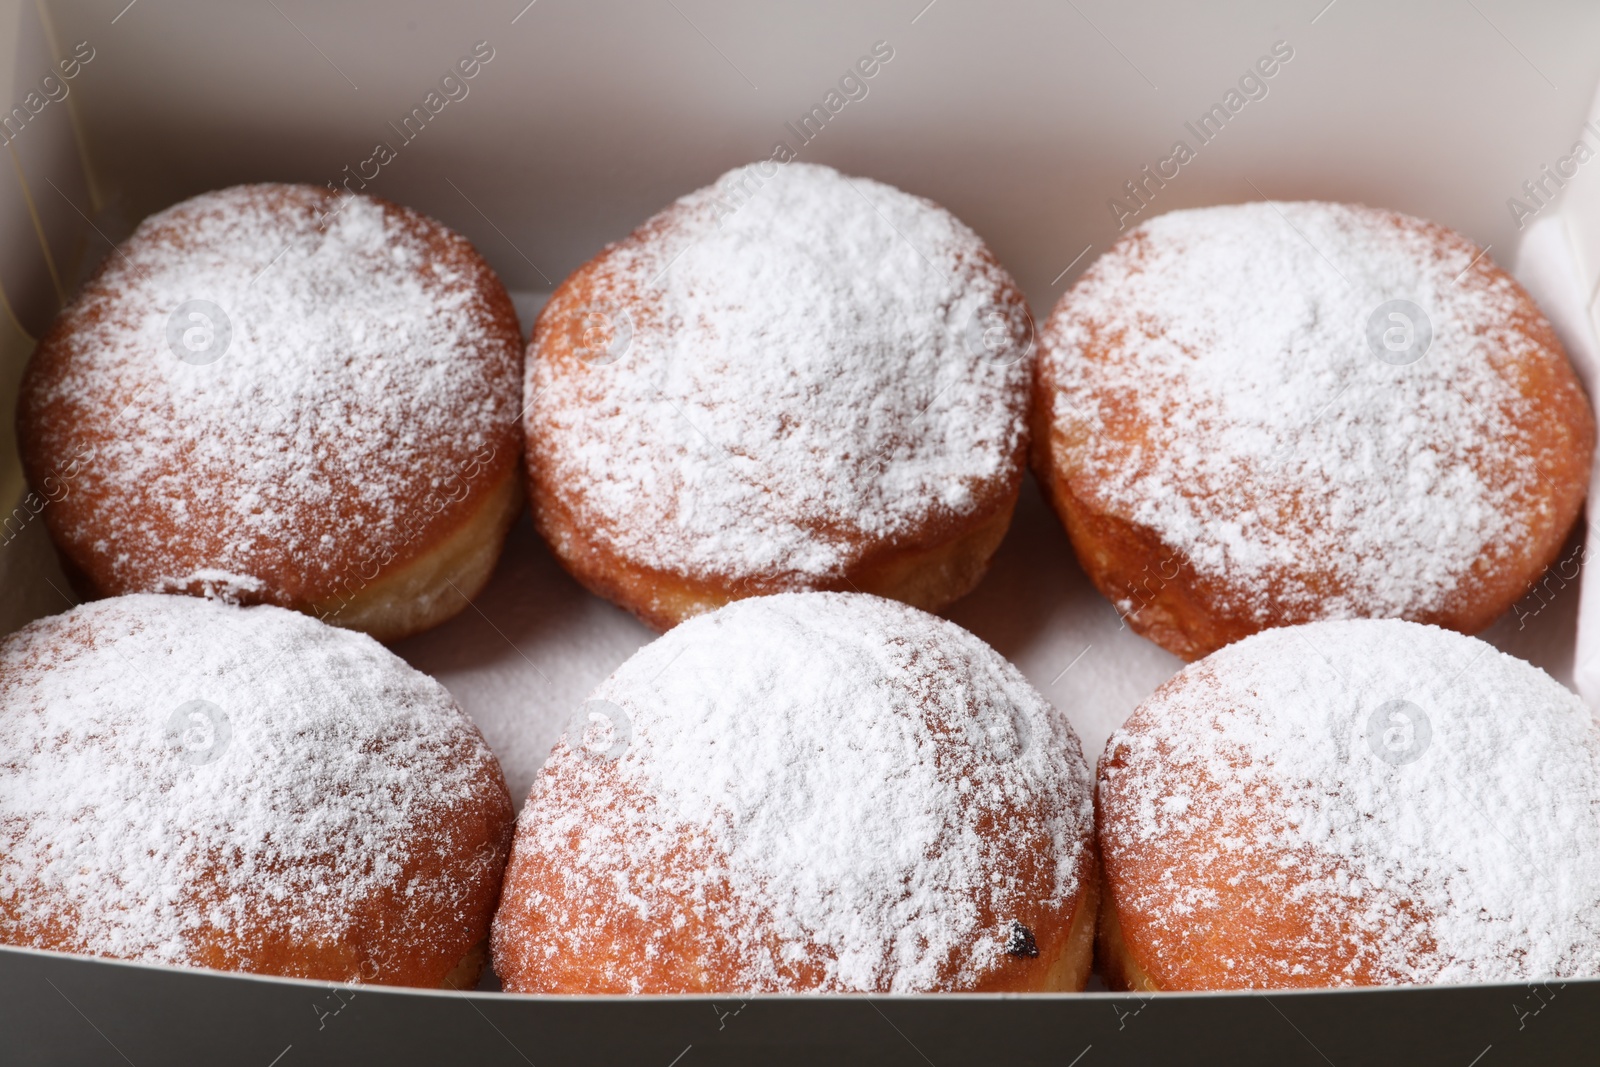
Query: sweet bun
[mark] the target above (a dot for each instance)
(1364, 802)
(187, 782)
(788, 380)
(272, 394)
(806, 792)
(1268, 414)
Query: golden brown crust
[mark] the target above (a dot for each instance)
(1268, 938)
(690, 948)
(464, 978)
(927, 576)
(1113, 959)
(389, 940)
(1138, 951)
(1066, 948)
(119, 535)
(436, 586)
(1159, 592)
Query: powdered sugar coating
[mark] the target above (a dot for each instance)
(808, 368)
(867, 795)
(343, 394)
(326, 796)
(1215, 384)
(1458, 841)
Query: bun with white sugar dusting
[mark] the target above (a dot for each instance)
(1363, 802)
(1269, 414)
(274, 395)
(788, 380)
(823, 792)
(193, 783)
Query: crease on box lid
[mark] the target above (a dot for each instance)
(1558, 262)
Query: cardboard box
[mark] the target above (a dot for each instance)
(1048, 128)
